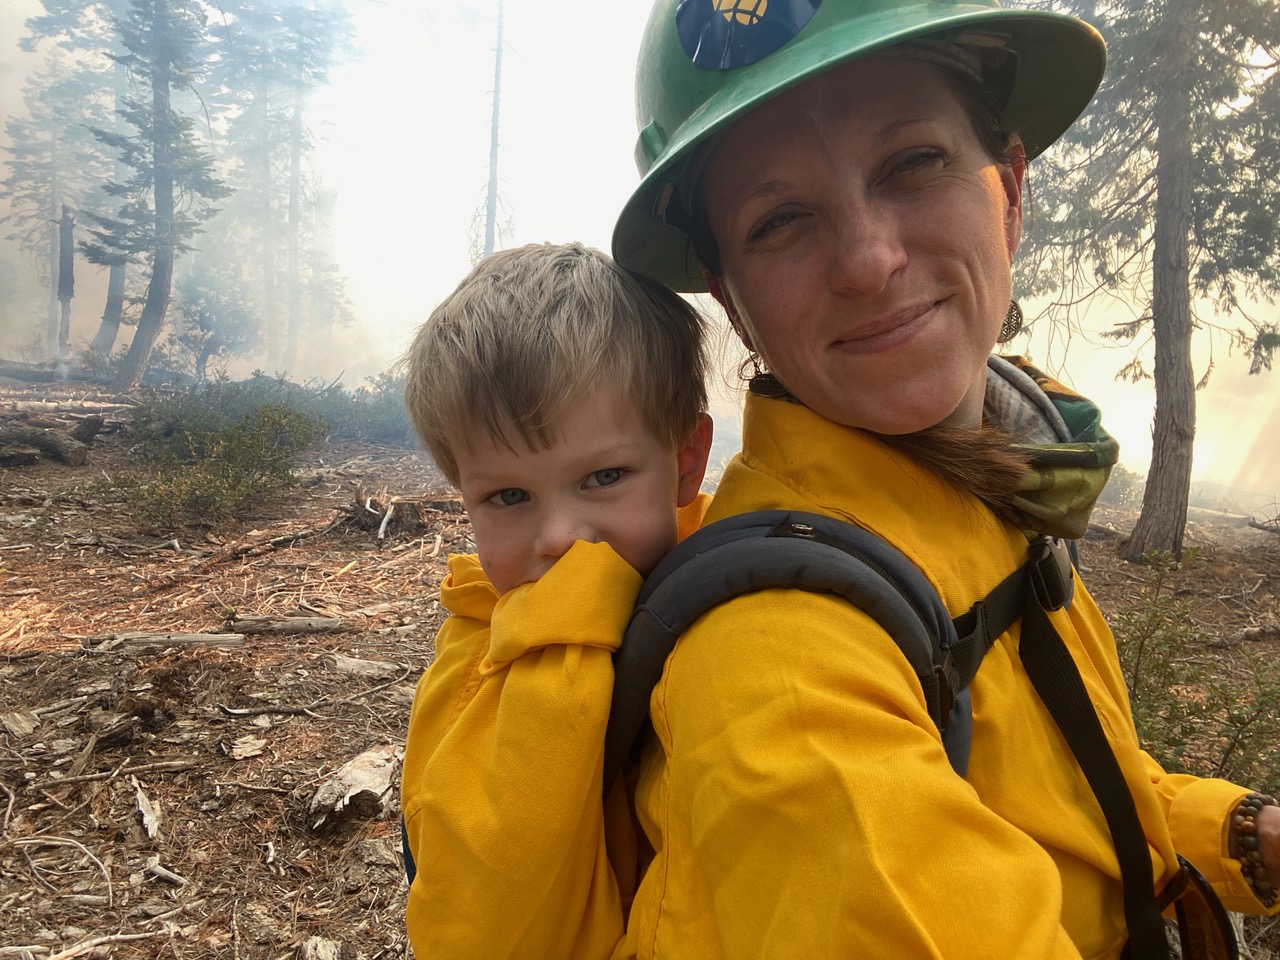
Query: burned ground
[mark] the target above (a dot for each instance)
(170, 708)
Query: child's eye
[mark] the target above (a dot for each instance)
(508, 497)
(604, 478)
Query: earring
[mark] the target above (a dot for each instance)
(1012, 324)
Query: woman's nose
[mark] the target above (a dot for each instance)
(869, 249)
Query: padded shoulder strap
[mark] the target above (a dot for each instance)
(793, 550)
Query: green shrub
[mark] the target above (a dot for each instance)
(217, 448)
(215, 451)
(1211, 712)
(373, 412)
(1124, 488)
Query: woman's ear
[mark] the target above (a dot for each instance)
(1012, 178)
(691, 459)
(716, 288)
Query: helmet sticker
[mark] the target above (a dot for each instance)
(724, 34)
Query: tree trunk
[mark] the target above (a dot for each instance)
(66, 278)
(104, 340)
(270, 302)
(161, 284)
(1163, 519)
(491, 198)
(294, 279)
(210, 347)
(51, 314)
(321, 298)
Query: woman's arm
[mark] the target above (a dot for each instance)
(1200, 812)
(823, 817)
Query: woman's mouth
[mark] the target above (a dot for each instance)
(888, 332)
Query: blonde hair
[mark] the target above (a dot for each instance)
(532, 330)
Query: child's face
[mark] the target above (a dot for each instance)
(605, 477)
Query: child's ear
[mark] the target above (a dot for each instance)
(691, 459)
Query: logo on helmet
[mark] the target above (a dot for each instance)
(724, 34)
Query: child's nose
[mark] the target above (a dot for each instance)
(560, 532)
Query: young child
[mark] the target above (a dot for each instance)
(564, 398)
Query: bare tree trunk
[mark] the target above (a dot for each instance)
(51, 314)
(104, 340)
(294, 278)
(161, 284)
(321, 306)
(270, 302)
(66, 278)
(1163, 519)
(211, 346)
(491, 200)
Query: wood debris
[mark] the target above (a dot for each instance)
(148, 812)
(400, 514)
(359, 788)
(364, 668)
(287, 625)
(49, 442)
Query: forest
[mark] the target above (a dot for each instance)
(170, 143)
(218, 587)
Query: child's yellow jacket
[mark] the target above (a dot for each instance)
(504, 760)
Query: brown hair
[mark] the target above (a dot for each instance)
(978, 460)
(531, 330)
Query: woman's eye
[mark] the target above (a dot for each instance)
(771, 223)
(605, 478)
(509, 497)
(917, 160)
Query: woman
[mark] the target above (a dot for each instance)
(846, 178)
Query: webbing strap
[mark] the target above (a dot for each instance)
(984, 623)
(1060, 687)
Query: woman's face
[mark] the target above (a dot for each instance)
(865, 238)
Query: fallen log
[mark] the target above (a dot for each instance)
(287, 625)
(19, 456)
(136, 642)
(65, 449)
(1266, 631)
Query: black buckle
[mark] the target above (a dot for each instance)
(948, 682)
(1049, 565)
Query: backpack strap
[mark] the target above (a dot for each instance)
(1060, 687)
(805, 551)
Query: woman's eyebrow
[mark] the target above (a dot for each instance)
(893, 127)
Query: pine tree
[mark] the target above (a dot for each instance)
(86, 30)
(273, 56)
(1167, 193)
(171, 184)
(54, 162)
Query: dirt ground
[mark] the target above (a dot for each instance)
(158, 790)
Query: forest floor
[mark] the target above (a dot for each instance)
(160, 793)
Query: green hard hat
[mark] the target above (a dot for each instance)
(705, 63)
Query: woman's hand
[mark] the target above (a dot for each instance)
(1268, 824)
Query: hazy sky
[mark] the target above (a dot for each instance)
(405, 143)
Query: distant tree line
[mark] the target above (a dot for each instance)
(178, 131)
